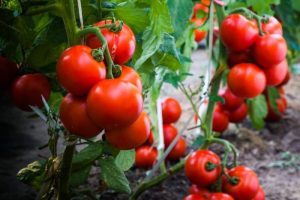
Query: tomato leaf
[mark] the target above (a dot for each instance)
(273, 95)
(263, 7)
(113, 176)
(79, 177)
(125, 159)
(257, 111)
(199, 141)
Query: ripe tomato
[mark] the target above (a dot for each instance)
(199, 170)
(197, 7)
(239, 114)
(171, 110)
(77, 70)
(150, 139)
(27, 90)
(220, 196)
(232, 102)
(170, 133)
(8, 71)
(273, 26)
(131, 136)
(246, 80)
(260, 195)
(145, 156)
(194, 197)
(286, 80)
(220, 120)
(269, 50)
(247, 183)
(194, 189)
(205, 2)
(281, 106)
(199, 34)
(131, 76)
(178, 150)
(113, 103)
(74, 117)
(277, 73)
(121, 44)
(238, 33)
(237, 58)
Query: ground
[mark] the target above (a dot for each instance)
(21, 136)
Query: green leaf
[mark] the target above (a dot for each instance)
(263, 7)
(257, 109)
(216, 98)
(80, 176)
(273, 95)
(113, 176)
(55, 100)
(125, 159)
(296, 5)
(199, 141)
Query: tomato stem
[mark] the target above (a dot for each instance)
(43, 9)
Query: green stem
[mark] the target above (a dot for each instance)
(43, 9)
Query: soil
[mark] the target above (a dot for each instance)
(21, 136)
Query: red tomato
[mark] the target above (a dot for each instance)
(178, 150)
(197, 167)
(171, 110)
(232, 102)
(246, 80)
(74, 117)
(273, 26)
(145, 156)
(121, 45)
(131, 136)
(281, 106)
(8, 71)
(239, 114)
(220, 196)
(286, 80)
(205, 2)
(194, 197)
(27, 90)
(113, 103)
(247, 183)
(197, 7)
(170, 133)
(220, 120)
(131, 76)
(150, 139)
(260, 195)
(199, 34)
(269, 50)
(238, 33)
(194, 189)
(237, 58)
(77, 70)
(277, 73)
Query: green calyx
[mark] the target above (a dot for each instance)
(117, 71)
(210, 166)
(98, 54)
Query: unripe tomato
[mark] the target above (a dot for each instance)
(170, 133)
(277, 73)
(77, 70)
(220, 196)
(171, 110)
(232, 102)
(246, 186)
(203, 167)
(114, 103)
(286, 80)
(194, 189)
(260, 195)
(194, 197)
(131, 136)
(246, 80)
(131, 76)
(199, 34)
(281, 106)
(199, 6)
(27, 90)
(238, 33)
(273, 26)
(237, 58)
(178, 150)
(8, 71)
(121, 44)
(239, 114)
(74, 117)
(145, 156)
(220, 120)
(269, 50)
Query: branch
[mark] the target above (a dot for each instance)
(43, 9)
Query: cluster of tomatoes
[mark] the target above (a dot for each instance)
(146, 154)
(203, 169)
(26, 90)
(203, 7)
(94, 103)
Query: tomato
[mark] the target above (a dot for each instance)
(246, 80)
(8, 71)
(197, 7)
(237, 58)
(277, 73)
(199, 167)
(194, 189)
(27, 90)
(238, 33)
(74, 117)
(199, 34)
(215, 35)
(269, 50)
(273, 26)
(170, 133)
(150, 140)
(260, 195)
(220, 196)
(131, 136)
(286, 79)
(178, 150)
(131, 76)
(145, 156)
(205, 2)
(247, 183)
(113, 103)
(281, 106)
(121, 44)
(220, 120)
(239, 114)
(171, 110)
(77, 70)
(194, 197)
(232, 102)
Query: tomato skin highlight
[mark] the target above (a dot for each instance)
(8, 71)
(276, 74)
(27, 90)
(238, 33)
(220, 196)
(246, 80)
(145, 156)
(178, 150)
(260, 195)
(77, 70)
(195, 168)
(232, 102)
(112, 103)
(194, 197)
(121, 44)
(239, 114)
(74, 117)
(170, 133)
(194, 189)
(131, 76)
(171, 110)
(273, 26)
